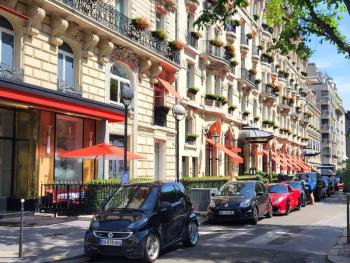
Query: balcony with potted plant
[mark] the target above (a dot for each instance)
(231, 30)
(244, 45)
(245, 114)
(192, 91)
(193, 37)
(284, 104)
(231, 109)
(247, 79)
(266, 58)
(191, 138)
(215, 53)
(269, 91)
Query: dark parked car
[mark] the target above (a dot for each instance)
(247, 201)
(319, 186)
(330, 188)
(299, 185)
(140, 220)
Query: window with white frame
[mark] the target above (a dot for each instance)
(6, 44)
(119, 77)
(65, 64)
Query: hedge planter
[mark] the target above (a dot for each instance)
(246, 114)
(176, 45)
(216, 42)
(140, 23)
(161, 35)
(193, 90)
(191, 137)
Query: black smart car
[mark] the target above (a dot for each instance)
(140, 220)
(248, 201)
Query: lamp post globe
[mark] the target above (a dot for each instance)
(179, 111)
(127, 94)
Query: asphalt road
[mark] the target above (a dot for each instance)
(302, 236)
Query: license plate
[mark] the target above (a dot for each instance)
(226, 212)
(111, 242)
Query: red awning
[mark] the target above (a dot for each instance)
(168, 87)
(236, 150)
(61, 104)
(234, 156)
(275, 157)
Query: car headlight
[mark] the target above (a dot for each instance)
(279, 199)
(245, 203)
(94, 224)
(138, 223)
(212, 203)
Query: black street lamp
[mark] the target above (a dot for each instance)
(127, 94)
(179, 113)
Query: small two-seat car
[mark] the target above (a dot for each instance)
(141, 219)
(304, 196)
(248, 201)
(284, 198)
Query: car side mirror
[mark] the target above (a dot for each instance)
(164, 206)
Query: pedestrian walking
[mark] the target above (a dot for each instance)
(311, 188)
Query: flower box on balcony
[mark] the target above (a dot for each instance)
(257, 81)
(232, 108)
(197, 35)
(275, 127)
(161, 35)
(256, 17)
(236, 22)
(191, 137)
(260, 47)
(246, 113)
(234, 63)
(176, 45)
(256, 118)
(140, 23)
(222, 99)
(249, 35)
(253, 71)
(230, 49)
(216, 42)
(303, 73)
(193, 90)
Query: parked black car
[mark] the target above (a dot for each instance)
(302, 189)
(247, 201)
(330, 188)
(320, 189)
(140, 220)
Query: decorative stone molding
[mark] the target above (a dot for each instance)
(90, 41)
(10, 4)
(58, 27)
(106, 48)
(144, 66)
(73, 32)
(154, 72)
(125, 55)
(36, 15)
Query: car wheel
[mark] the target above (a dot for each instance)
(287, 208)
(299, 204)
(255, 218)
(269, 213)
(192, 236)
(152, 248)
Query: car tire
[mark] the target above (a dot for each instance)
(255, 218)
(299, 204)
(152, 248)
(287, 208)
(192, 236)
(269, 212)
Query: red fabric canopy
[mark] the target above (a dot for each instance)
(168, 87)
(107, 151)
(234, 156)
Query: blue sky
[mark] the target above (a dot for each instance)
(335, 65)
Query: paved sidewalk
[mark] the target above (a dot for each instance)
(340, 253)
(50, 239)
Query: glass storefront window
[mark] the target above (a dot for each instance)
(69, 137)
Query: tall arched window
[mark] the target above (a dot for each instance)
(66, 65)
(119, 76)
(6, 44)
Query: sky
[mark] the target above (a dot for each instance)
(335, 65)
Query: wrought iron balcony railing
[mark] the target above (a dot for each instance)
(231, 28)
(108, 16)
(218, 52)
(10, 72)
(244, 39)
(245, 74)
(191, 40)
(255, 50)
(69, 88)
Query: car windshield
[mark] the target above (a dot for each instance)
(278, 188)
(134, 197)
(296, 185)
(236, 189)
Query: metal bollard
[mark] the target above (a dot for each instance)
(21, 230)
(347, 219)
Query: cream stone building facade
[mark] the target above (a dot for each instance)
(332, 118)
(249, 86)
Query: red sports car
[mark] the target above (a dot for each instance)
(284, 198)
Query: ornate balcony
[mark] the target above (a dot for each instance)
(68, 88)
(244, 42)
(255, 53)
(218, 57)
(247, 80)
(108, 16)
(192, 40)
(269, 92)
(10, 72)
(231, 33)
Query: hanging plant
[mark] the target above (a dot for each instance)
(232, 107)
(234, 63)
(236, 22)
(230, 49)
(277, 94)
(160, 34)
(246, 113)
(197, 35)
(193, 90)
(253, 71)
(249, 35)
(177, 45)
(216, 42)
(140, 23)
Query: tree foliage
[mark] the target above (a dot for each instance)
(299, 20)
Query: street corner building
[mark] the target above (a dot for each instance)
(62, 68)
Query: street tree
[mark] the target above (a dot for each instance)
(298, 19)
